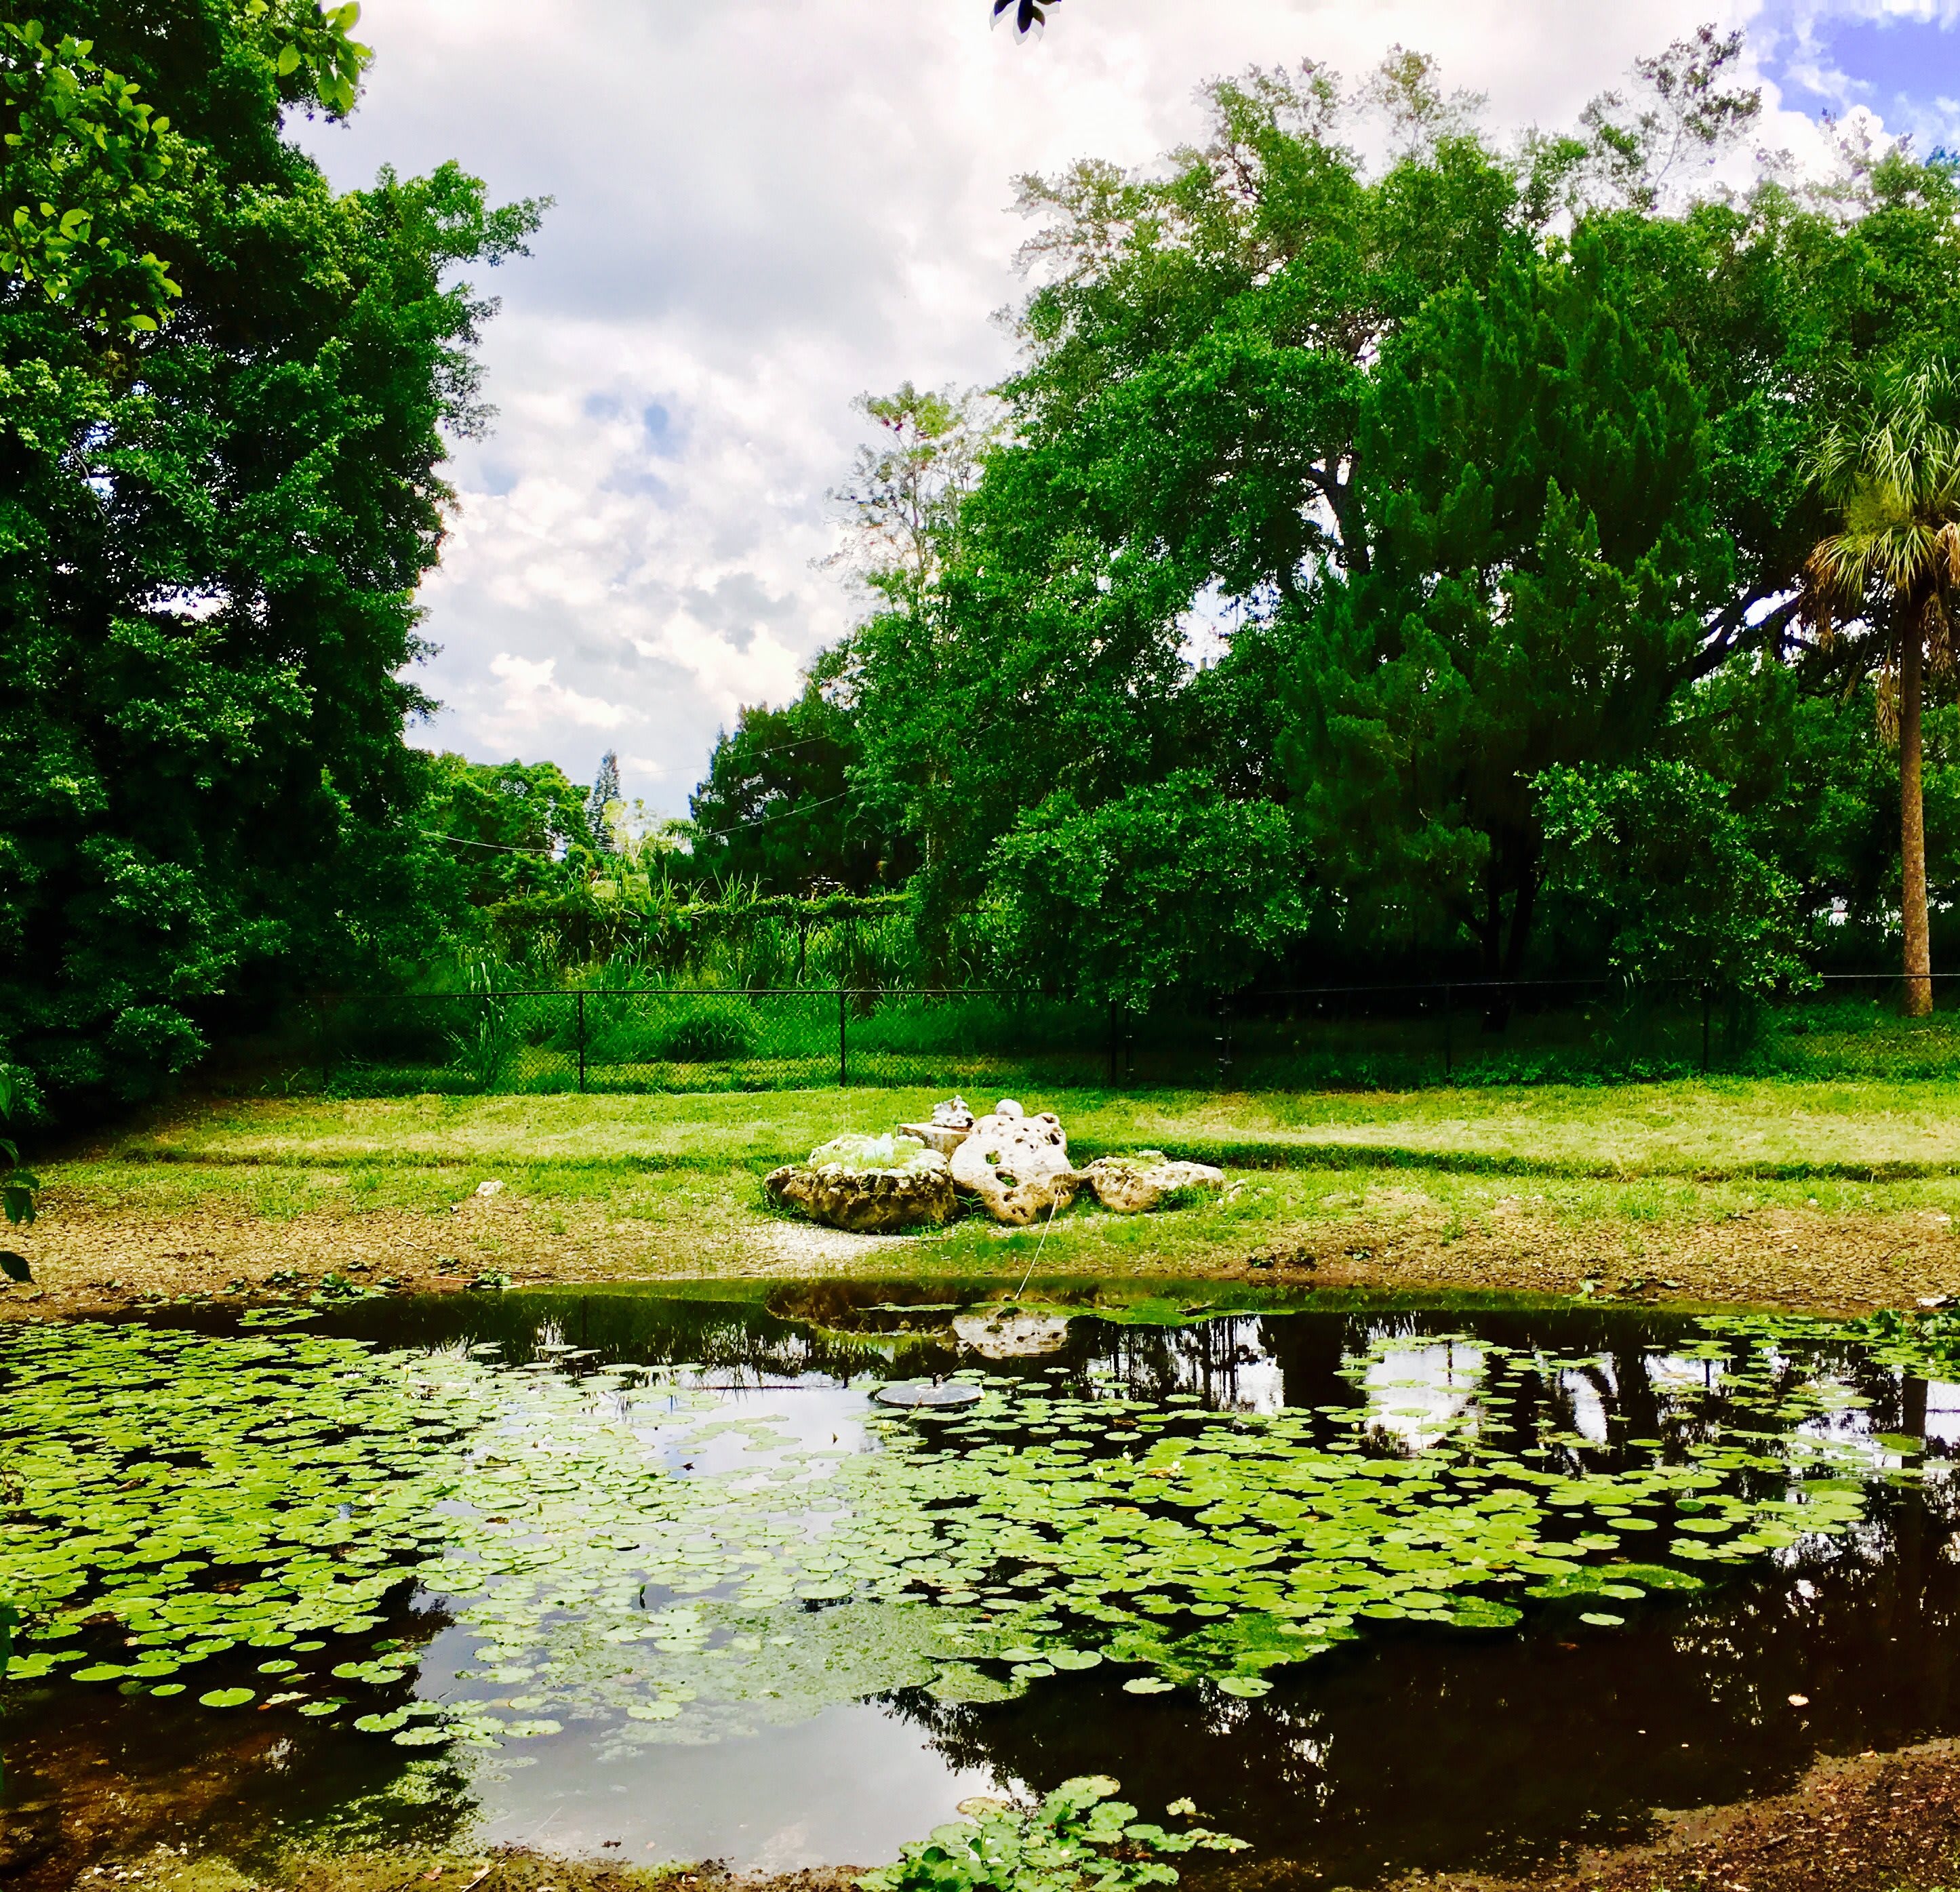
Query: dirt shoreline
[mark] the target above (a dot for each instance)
(1868, 1823)
(87, 1260)
(1871, 1823)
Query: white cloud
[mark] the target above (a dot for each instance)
(530, 694)
(763, 208)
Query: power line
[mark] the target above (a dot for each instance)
(801, 808)
(464, 841)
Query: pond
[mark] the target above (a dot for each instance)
(657, 1575)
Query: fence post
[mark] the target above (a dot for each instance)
(1224, 1043)
(1706, 1003)
(843, 1037)
(1449, 1030)
(581, 1040)
(325, 1049)
(1114, 1044)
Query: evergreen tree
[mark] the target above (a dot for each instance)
(605, 796)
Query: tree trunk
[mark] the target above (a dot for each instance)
(1523, 903)
(1912, 823)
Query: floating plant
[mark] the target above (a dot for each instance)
(624, 1543)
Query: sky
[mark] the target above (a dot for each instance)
(764, 209)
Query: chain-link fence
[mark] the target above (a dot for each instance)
(1471, 1032)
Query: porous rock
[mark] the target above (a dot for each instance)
(1017, 1165)
(867, 1185)
(952, 1124)
(1133, 1185)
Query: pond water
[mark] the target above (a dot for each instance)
(655, 1574)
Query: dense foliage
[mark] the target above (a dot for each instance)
(1399, 551)
(1397, 564)
(223, 392)
(1078, 1837)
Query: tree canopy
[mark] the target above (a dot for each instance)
(225, 395)
(1373, 497)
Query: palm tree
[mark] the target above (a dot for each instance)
(1896, 478)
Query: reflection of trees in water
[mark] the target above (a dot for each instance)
(737, 1338)
(1153, 1363)
(1427, 1748)
(154, 1769)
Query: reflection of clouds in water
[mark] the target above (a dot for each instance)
(1420, 1395)
(1226, 1362)
(1261, 1388)
(1581, 1390)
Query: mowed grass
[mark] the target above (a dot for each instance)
(1703, 1151)
(1709, 1130)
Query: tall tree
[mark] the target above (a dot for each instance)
(1535, 485)
(222, 420)
(777, 807)
(1895, 473)
(600, 804)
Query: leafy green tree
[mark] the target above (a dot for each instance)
(904, 501)
(211, 532)
(1894, 471)
(1654, 855)
(1545, 554)
(1184, 422)
(508, 829)
(1169, 886)
(777, 810)
(1377, 490)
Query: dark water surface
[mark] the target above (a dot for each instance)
(1415, 1739)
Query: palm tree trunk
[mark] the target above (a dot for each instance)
(1912, 824)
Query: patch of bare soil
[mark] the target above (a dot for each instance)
(1820, 1263)
(166, 1869)
(85, 1260)
(1880, 1823)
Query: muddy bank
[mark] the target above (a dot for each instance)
(1877, 1822)
(86, 1260)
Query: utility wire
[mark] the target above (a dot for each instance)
(801, 808)
(464, 841)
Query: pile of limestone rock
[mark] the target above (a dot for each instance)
(1015, 1166)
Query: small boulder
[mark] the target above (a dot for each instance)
(1018, 1166)
(1133, 1185)
(870, 1185)
(952, 1124)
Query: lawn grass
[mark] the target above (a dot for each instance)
(1631, 1158)
(1723, 1190)
(1711, 1130)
